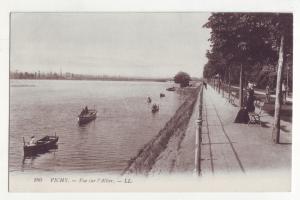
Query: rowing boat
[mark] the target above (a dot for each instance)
(41, 145)
(90, 115)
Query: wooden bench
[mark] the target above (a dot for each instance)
(255, 117)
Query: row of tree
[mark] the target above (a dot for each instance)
(256, 45)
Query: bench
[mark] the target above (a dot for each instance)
(254, 117)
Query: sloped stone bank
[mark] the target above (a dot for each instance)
(142, 163)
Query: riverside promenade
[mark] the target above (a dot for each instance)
(234, 157)
(229, 148)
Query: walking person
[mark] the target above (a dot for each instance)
(283, 91)
(205, 84)
(267, 93)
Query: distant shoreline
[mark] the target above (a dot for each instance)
(108, 79)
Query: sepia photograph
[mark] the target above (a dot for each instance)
(145, 101)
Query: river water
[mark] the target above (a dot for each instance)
(124, 124)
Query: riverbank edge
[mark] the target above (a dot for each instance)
(145, 159)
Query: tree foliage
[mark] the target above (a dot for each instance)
(250, 39)
(182, 78)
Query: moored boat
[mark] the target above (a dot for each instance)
(40, 146)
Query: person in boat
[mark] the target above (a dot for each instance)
(149, 100)
(155, 107)
(82, 112)
(32, 141)
(86, 110)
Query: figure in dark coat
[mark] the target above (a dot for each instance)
(250, 101)
(242, 116)
(205, 84)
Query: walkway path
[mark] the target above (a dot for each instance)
(240, 148)
(234, 157)
(229, 148)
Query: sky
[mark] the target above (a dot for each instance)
(125, 44)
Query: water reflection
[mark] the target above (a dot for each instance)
(83, 128)
(29, 158)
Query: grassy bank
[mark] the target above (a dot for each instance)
(143, 162)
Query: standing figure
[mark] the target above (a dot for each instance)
(250, 86)
(249, 103)
(283, 90)
(205, 84)
(267, 93)
(243, 114)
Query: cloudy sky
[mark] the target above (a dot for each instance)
(127, 44)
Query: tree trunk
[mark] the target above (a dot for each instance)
(241, 85)
(229, 84)
(219, 85)
(223, 83)
(276, 127)
(223, 88)
(287, 81)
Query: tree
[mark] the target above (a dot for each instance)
(236, 37)
(284, 35)
(229, 30)
(268, 40)
(182, 78)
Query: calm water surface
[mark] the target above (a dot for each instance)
(124, 123)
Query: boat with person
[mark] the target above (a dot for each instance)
(40, 146)
(87, 115)
(155, 108)
(171, 89)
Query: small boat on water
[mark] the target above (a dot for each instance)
(162, 95)
(41, 145)
(155, 108)
(171, 89)
(149, 100)
(87, 116)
